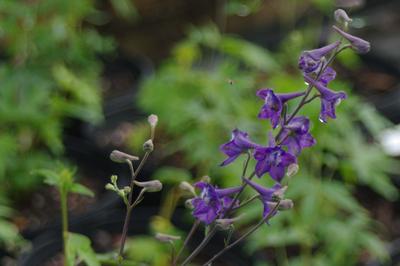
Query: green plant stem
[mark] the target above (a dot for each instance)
(130, 205)
(187, 239)
(64, 217)
(247, 202)
(249, 232)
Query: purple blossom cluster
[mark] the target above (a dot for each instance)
(279, 156)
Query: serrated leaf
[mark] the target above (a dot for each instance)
(52, 178)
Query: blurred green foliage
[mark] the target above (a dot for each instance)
(49, 72)
(208, 87)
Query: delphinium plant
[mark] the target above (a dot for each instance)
(216, 207)
(126, 193)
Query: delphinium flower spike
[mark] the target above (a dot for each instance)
(279, 156)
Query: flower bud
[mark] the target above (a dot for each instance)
(284, 204)
(114, 179)
(341, 16)
(152, 119)
(150, 186)
(226, 223)
(127, 190)
(166, 238)
(185, 186)
(121, 157)
(121, 193)
(148, 146)
(279, 194)
(206, 179)
(292, 169)
(189, 204)
(109, 187)
(359, 45)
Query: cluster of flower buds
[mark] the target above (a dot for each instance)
(113, 186)
(279, 157)
(122, 157)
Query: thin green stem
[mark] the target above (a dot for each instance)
(64, 215)
(187, 239)
(130, 205)
(247, 202)
(245, 235)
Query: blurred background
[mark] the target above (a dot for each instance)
(78, 79)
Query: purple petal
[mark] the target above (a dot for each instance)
(277, 172)
(358, 44)
(227, 191)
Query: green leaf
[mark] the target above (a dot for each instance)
(52, 178)
(374, 245)
(79, 248)
(81, 189)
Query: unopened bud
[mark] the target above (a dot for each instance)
(166, 238)
(341, 16)
(121, 193)
(114, 179)
(127, 190)
(284, 204)
(226, 223)
(185, 186)
(109, 187)
(152, 119)
(148, 146)
(189, 204)
(122, 157)
(206, 179)
(150, 186)
(292, 169)
(279, 194)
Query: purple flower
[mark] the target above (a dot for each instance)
(273, 105)
(273, 160)
(358, 44)
(267, 195)
(238, 144)
(212, 202)
(295, 135)
(327, 76)
(310, 61)
(329, 99)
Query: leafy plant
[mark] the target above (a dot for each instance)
(76, 247)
